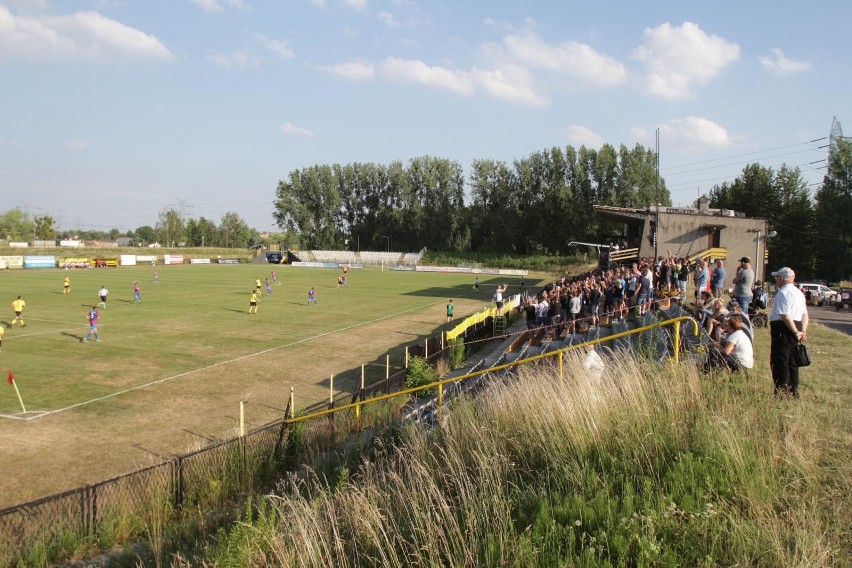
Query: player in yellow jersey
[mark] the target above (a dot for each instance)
(18, 307)
(253, 302)
(66, 286)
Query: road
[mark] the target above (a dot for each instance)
(830, 317)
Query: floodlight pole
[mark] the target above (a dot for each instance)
(657, 193)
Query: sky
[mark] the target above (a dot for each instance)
(113, 111)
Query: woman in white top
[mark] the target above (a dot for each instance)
(738, 344)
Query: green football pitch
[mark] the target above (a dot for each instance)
(195, 318)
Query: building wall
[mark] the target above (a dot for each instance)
(688, 234)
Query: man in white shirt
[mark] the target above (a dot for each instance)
(788, 325)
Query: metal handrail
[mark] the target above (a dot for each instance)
(440, 384)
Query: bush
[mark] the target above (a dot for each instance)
(456, 353)
(420, 373)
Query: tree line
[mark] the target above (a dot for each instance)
(170, 230)
(536, 205)
(540, 203)
(812, 232)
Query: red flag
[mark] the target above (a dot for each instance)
(11, 377)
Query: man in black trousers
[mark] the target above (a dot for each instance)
(788, 325)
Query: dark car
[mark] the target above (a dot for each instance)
(274, 257)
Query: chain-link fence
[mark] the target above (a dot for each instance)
(133, 505)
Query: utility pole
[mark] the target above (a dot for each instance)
(657, 193)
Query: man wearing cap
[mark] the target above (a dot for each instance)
(788, 325)
(743, 283)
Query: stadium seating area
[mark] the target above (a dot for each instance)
(361, 257)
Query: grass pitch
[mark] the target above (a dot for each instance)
(170, 371)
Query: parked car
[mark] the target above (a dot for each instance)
(819, 293)
(824, 282)
(274, 257)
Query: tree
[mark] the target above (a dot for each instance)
(234, 233)
(170, 228)
(15, 225)
(44, 228)
(793, 244)
(833, 215)
(309, 203)
(145, 235)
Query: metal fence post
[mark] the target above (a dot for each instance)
(677, 343)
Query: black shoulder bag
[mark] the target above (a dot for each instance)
(801, 356)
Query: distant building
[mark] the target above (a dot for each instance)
(691, 232)
(124, 241)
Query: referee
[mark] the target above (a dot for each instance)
(788, 325)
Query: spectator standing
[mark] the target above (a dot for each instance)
(103, 293)
(717, 281)
(702, 277)
(788, 325)
(743, 283)
(575, 304)
(683, 276)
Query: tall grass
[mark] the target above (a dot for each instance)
(651, 466)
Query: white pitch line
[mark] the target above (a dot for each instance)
(51, 332)
(51, 321)
(221, 363)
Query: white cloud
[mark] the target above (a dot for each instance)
(676, 58)
(288, 128)
(208, 5)
(357, 70)
(581, 136)
(28, 6)
(281, 48)
(83, 36)
(236, 60)
(693, 133)
(572, 58)
(387, 19)
(510, 82)
(239, 4)
(781, 65)
(417, 71)
(76, 144)
(357, 4)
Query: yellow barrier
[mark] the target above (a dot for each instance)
(440, 384)
(718, 253)
(623, 254)
(480, 317)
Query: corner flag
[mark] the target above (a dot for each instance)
(17, 392)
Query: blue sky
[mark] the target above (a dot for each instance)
(114, 110)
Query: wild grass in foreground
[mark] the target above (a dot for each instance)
(652, 466)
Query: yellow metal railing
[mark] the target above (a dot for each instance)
(623, 254)
(480, 317)
(440, 384)
(717, 253)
